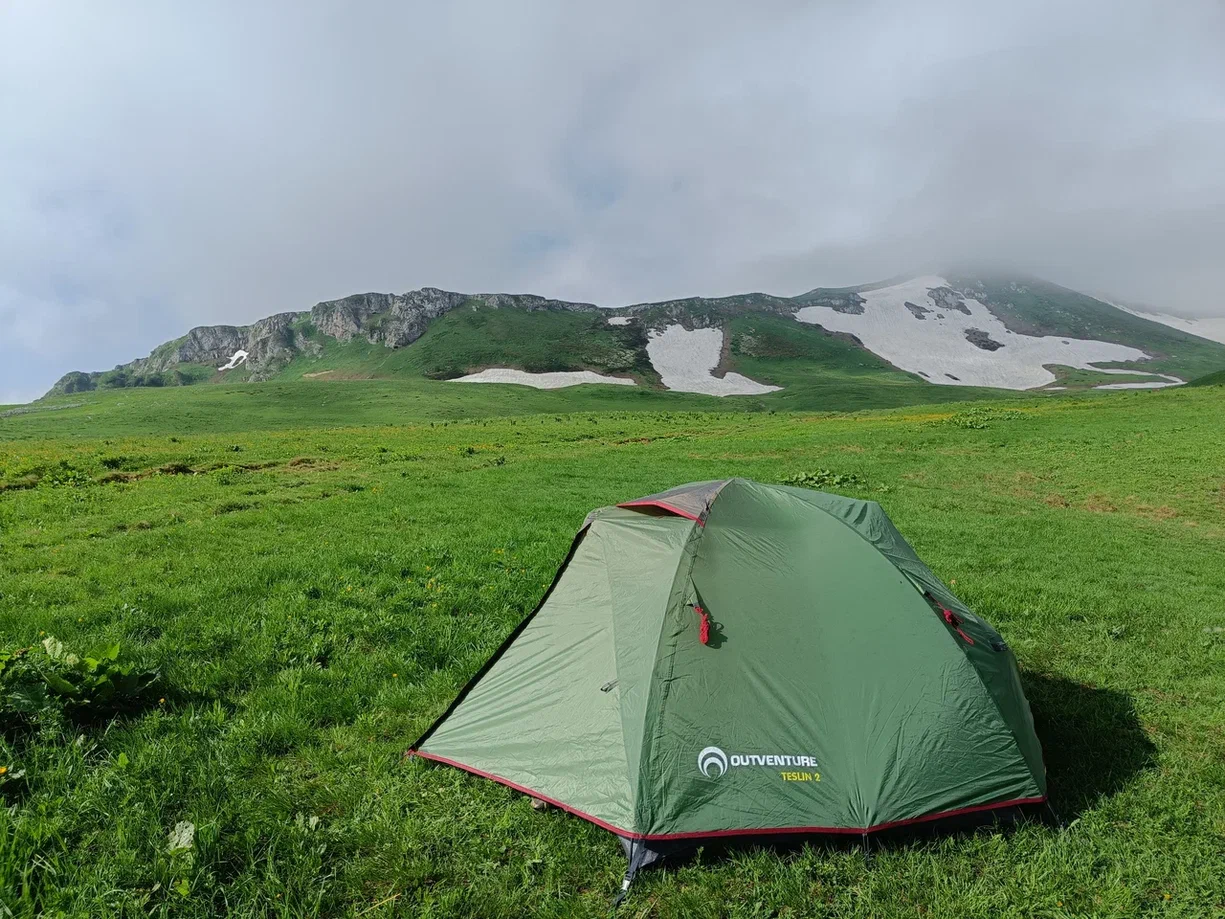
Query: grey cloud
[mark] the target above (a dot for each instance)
(165, 165)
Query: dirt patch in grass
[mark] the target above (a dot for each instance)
(1057, 501)
(1099, 504)
(230, 507)
(1162, 512)
(29, 481)
(111, 478)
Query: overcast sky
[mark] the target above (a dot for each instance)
(164, 165)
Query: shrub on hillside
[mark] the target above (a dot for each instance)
(979, 419)
(47, 678)
(825, 479)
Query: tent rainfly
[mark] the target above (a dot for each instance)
(736, 659)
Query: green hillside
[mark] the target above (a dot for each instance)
(323, 402)
(1210, 379)
(821, 370)
(472, 338)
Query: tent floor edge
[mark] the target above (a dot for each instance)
(649, 853)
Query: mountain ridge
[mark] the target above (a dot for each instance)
(615, 339)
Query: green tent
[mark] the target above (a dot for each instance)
(735, 659)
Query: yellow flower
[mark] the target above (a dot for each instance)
(395, 674)
(161, 701)
(3, 770)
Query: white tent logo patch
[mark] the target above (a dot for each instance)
(712, 759)
(714, 763)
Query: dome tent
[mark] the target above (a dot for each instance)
(736, 659)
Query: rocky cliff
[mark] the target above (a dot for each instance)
(392, 320)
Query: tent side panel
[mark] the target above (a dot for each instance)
(547, 715)
(991, 658)
(828, 697)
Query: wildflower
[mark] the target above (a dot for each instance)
(4, 770)
(395, 674)
(161, 701)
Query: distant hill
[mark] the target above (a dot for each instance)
(953, 329)
(1210, 379)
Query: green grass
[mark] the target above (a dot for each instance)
(314, 589)
(328, 402)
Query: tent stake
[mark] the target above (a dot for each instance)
(624, 892)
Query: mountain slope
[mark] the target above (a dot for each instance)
(954, 330)
(1212, 329)
(1034, 307)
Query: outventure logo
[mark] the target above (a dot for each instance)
(712, 758)
(714, 763)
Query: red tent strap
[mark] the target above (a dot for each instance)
(955, 621)
(704, 626)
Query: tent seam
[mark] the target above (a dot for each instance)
(653, 699)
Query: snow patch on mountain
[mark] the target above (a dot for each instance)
(558, 380)
(239, 357)
(1173, 381)
(1156, 384)
(686, 359)
(619, 320)
(949, 344)
(1212, 328)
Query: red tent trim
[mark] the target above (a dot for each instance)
(857, 831)
(667, 507)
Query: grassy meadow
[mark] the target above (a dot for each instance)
(314, 569)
